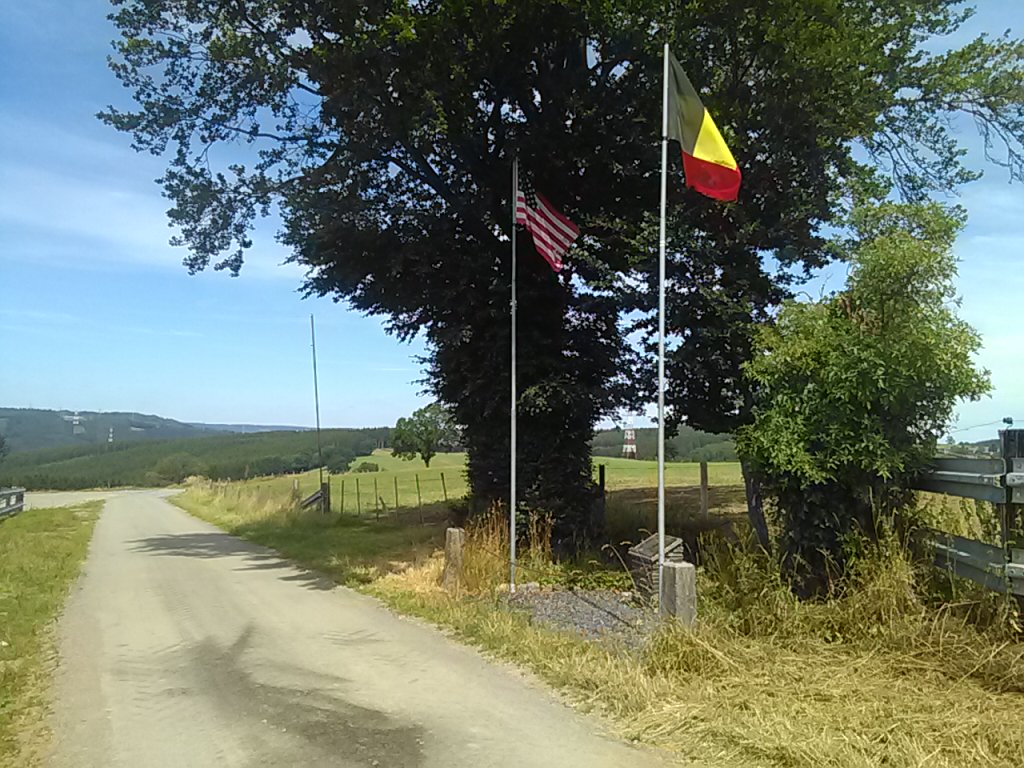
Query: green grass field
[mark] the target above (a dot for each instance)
(41, 552)
(620, 475)
(623, 474)
(357, 489)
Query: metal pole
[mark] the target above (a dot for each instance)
(316, 396)
(661, 334)
(512, 403)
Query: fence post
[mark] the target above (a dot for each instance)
(1011, 443)
(376, 500)
(451, 577)
(396, 495)
(341, 511)
(597, 513)
(359, 501)
(419, 497)
(444, 488)
(704, 511)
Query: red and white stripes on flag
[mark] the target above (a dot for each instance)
(552, 232)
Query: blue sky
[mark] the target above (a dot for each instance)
(98, 313)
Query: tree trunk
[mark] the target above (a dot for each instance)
(755, 506)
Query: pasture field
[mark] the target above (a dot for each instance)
(392, 470)
(623, 474)
(638, 477)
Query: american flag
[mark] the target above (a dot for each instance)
(552, 232)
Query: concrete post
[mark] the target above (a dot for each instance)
(451, 577)
(679, 593)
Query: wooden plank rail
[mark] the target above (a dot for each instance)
(12, 501)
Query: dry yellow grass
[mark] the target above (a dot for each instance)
(871, 678)
(349, 549)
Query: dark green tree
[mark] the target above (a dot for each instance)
(428, 431)
(383, 132)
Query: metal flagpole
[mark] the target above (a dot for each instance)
(661, 336)
(512, 404)
(316, 396)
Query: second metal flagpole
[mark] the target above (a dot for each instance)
(512, 404)
(661, 337)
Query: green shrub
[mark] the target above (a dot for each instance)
(853, 391)
(367, 466)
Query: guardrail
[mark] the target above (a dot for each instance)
(982, 563)
(12, 501)
(1001, 482)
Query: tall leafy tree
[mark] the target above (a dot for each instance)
(383, 132)
(854, 391)
(426, 432)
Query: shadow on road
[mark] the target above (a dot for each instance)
(213, 545)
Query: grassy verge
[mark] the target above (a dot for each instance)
(351, 550)
(41, 552)
(878, 676)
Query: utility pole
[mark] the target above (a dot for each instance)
(325, 493)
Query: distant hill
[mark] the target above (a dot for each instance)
(32, 429)
(162, 462)
(688, 445)
(29, 429)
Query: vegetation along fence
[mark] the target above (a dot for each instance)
(996, 480)
(12, 501)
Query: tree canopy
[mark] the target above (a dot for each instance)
(383, 134)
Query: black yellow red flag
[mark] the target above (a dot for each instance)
(708, 165)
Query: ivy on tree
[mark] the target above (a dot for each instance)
(383, 132)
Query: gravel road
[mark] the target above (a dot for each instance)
(183, 646)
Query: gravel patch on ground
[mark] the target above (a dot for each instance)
(597, 614)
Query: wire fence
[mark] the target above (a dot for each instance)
(383, 494)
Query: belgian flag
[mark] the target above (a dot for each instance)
(708, 165)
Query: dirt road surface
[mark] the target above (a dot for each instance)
(183, 646)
